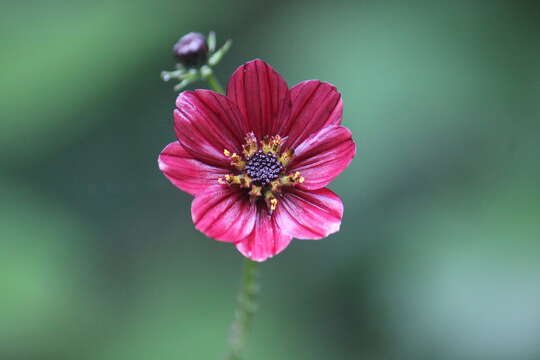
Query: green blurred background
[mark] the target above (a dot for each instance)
(439, 253)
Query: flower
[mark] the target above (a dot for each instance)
(191, 49)
(258, 159)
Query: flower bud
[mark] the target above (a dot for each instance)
(191, 50)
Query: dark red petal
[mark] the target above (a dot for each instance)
(309, 214)
(261, 95)
(266, 239)
(223, 213)
(323, 156)
(185, 172)
(315, 105)
(206, 123)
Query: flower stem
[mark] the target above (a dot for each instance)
(214, 83)
(245, 310)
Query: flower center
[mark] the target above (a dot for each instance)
(263, 167)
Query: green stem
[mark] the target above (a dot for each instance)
(214, 83)
(245, 310)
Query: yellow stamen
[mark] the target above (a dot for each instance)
(255, 190)
(275, 185)
(286, 157)
(250, 147)
(273, 204)
(297, 178)
(236, 160)
(272, 144)
(245, 181)
(292, 179)
(271, 200)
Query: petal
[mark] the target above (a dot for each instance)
(323, 156)
(266, 239)
(206, 123)
(185, 172)
(315, 105)
(261, 95)
(309, 214)
(223, 213)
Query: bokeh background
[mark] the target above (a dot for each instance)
(439, 253)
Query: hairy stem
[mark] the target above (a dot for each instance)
(245, 310)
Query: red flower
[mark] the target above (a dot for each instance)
(258, 160)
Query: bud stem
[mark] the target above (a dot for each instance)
(214, 83)
(245, 310)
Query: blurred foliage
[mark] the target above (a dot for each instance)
(438, 257)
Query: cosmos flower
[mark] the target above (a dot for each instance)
(258, 159)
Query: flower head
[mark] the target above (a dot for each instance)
(258, 159)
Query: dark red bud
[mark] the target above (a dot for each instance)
(191, 50)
